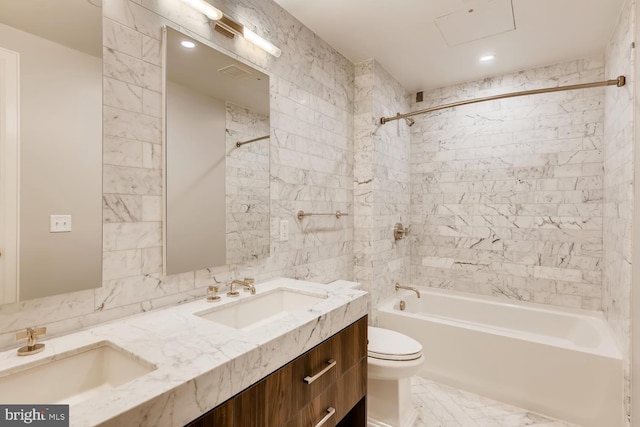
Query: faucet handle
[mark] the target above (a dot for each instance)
(213, 293)
(249, 280)
(32, 335)
(400, 231)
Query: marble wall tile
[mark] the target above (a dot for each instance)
(151, 103)
(132, 125)
(122, 208)
(498, 187)
(122, 95)
(618, 189)
(121, 38)
(381, 181)
(128, 180)
(121, 151)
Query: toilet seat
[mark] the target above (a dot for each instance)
(385, 344)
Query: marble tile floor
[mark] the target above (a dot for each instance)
(443, 406)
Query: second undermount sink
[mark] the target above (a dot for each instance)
(256, 310)
(81, 375)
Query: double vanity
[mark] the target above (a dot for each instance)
(293, 353)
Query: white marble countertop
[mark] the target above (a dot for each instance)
(199, 363)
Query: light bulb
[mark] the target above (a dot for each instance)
(188, 44)
(487, 58)
(260, 42)
(203, 7)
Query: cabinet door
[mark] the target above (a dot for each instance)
(220, 416)
(350, 388)
(279, 396)
(249, 407)
(322, 406)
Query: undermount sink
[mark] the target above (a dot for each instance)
(257, 310)
(74, 378)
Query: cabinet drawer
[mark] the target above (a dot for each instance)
(320, 367)
(318, 409)
(336, 401)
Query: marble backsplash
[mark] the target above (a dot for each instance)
(311, 163)
(506, 196)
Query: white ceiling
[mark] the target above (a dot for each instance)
(402, 35)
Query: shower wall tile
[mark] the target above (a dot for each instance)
(310, 166)
(381, 182)
(506, 196)
(618, 189)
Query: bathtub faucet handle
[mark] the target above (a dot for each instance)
(400, 231)
(410, 288)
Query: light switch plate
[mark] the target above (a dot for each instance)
(60, 223)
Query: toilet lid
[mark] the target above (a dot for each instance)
(391, 345)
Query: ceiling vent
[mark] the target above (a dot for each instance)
(479, 19)
(234, 72)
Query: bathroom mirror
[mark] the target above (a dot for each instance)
(216, 157)
(50, 147)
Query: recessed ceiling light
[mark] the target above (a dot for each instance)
(487, 58)
(188, 44)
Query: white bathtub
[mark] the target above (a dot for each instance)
(559, 362)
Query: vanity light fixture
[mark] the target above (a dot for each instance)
(229, 28)
(203, 7)
(487, 58)
(188, 44)
(261, 43)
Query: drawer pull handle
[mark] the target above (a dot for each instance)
(309, 380)
(330, 412)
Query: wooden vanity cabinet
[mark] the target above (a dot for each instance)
(285, 399)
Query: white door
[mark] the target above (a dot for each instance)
(9, 174)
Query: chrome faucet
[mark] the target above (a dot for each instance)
(31, 334)
(247, 283)
(410, 288)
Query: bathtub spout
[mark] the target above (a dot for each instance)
(410, 288)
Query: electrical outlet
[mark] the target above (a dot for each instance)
(60, 223)
(284, 230)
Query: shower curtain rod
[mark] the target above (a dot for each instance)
(619, 82)
(240, 144)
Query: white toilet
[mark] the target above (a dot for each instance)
(392, 359)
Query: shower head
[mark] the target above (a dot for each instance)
(410, 121)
